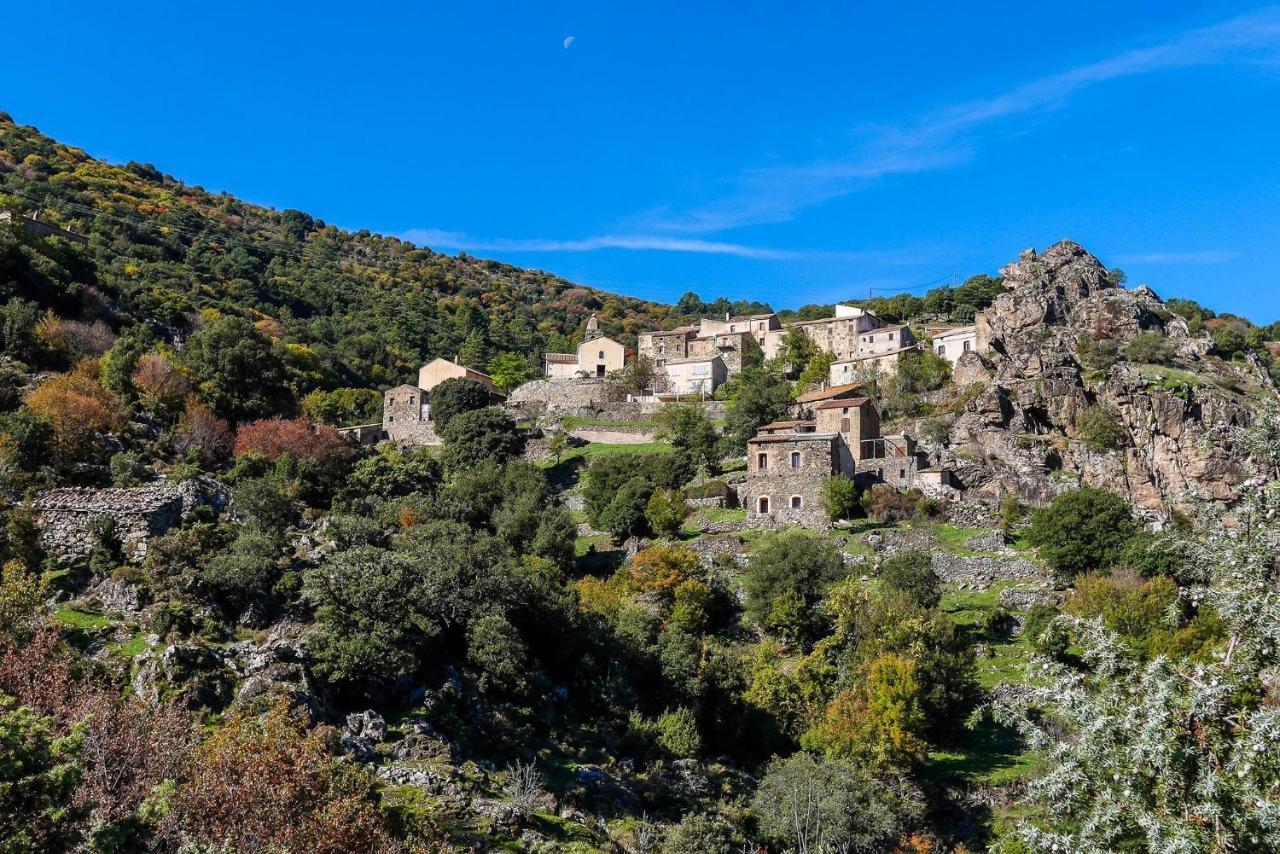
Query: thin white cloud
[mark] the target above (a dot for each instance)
(660, 243)
(948, 136)
(1208, 256)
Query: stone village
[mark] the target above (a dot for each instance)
(832, 430)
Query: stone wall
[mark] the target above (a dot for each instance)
(70, 518)
(562, 395)
(614, 435)
(413, 433)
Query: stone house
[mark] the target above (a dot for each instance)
(836, 431)
(71, 518)
(597, 356)
(729, 339)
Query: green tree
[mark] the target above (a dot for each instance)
(787, 573)
(510, 370)
(1081, 530)
(912, 574)
(760, 396)
(481, 435)
(687, 427)
(811, 805)
(840, 498)
(38, 777)
(121, 360)
(455, 396)
(239, 372)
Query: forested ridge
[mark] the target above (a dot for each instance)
(360, 308)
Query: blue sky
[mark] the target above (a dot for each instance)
(786, 152)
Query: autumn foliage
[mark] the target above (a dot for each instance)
(78, 407)
(298, 437)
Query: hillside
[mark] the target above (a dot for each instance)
(368, 309)
(224, 627)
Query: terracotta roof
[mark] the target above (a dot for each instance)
(791, 437)
(828, 393)
(843, 402)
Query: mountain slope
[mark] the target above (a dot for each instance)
(370, 307)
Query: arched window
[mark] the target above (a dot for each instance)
(797, 503)
(763, 504)
(601, 355)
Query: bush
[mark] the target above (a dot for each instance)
(298, 437)
(625, 514)
(1099, 428)
(1047, 638)
(883, 503)
(912, 574)
(840, 498)
(678, 734)
(700, 834)
(78, 407)
(453, 397)
(1082, 530)
(342, 406)
(1098, 356)
(880, 723)
(666, 512)
(1149, 348)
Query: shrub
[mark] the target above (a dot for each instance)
(700, 834)
(1099, 428)
(883, 503)
(1099, 356)
(880, 723)
(1081, 530)
(342, 406)
(912, 574)
(678, 733)
(1149, 348)
(202, 435)
(666, 512)
(455, 396)
(785, 577)
(625, 513)
(1046, 637)
(840, 498)
(661, 569)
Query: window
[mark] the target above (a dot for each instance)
(942, 349)
(966, 346)
(902, 474)
(762, 462)
(763, 504)
(600, 355)
(797, 503)
(795, 459)
(890, 336)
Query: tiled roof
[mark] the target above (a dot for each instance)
(780, 425)
(142, 499)
(843, 403)
(791, 437)
(562, 358)
(828, 393)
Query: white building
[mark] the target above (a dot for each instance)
(697, 375)
(596, 357)
(953, 343)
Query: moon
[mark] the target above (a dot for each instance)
(568, 41)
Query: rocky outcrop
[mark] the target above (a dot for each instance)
(1055, 344)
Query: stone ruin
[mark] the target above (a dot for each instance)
(70, 518)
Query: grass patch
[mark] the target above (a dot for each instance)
(953, 538)
(988, 754)
(131, 648)
(723, 514)
(80, 618)
(1008, 657)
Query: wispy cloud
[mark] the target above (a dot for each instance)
(947, 136)
(1208, 256)
(661, 243)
